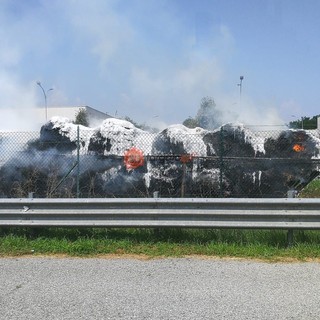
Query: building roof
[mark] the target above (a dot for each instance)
(95, 117)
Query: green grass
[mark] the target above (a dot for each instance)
(253, 244)
(312, 190)
(266, 245)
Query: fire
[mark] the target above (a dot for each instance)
(133, 158)
(185, 158)
(298, 148)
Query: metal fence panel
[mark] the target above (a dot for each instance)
(231, 162)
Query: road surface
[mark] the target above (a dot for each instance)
(129, 288)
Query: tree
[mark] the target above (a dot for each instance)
(208, 117)
(142, 126)
(304, 123)
(136, 124)
(82, 117)
(191, 123)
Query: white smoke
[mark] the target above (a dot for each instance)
(100, 54)
(248, 112)
(16, 104)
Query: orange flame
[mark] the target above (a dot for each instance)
(133, 158)
(298, 148)
(185, 158)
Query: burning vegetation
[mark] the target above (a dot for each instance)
(120, 160)
(298, 147)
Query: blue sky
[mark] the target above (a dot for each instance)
(153, 60)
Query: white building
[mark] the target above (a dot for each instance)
(95, 117)
(32, 118)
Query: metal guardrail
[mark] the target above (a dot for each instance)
(288, 214)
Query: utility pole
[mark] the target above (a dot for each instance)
(45, 98)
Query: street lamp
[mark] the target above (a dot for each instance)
(45, 98)
(240, 85)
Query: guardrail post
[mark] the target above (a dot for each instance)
(156, 195)
(290, 194)
(290, 238)
(32, 232)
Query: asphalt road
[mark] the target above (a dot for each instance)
(191, 288)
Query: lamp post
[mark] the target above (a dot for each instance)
(45, 98)
(240, 85)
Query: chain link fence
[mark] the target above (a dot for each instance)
(233, 161)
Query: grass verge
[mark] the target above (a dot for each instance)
(253, 244)
(312, 190)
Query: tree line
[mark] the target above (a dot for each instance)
(308, 123)
(207, 117)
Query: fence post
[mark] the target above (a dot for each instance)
(221, 147)
(183, 183)
(78, 162)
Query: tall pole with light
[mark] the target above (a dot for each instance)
(45, 98)
(240, 85)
